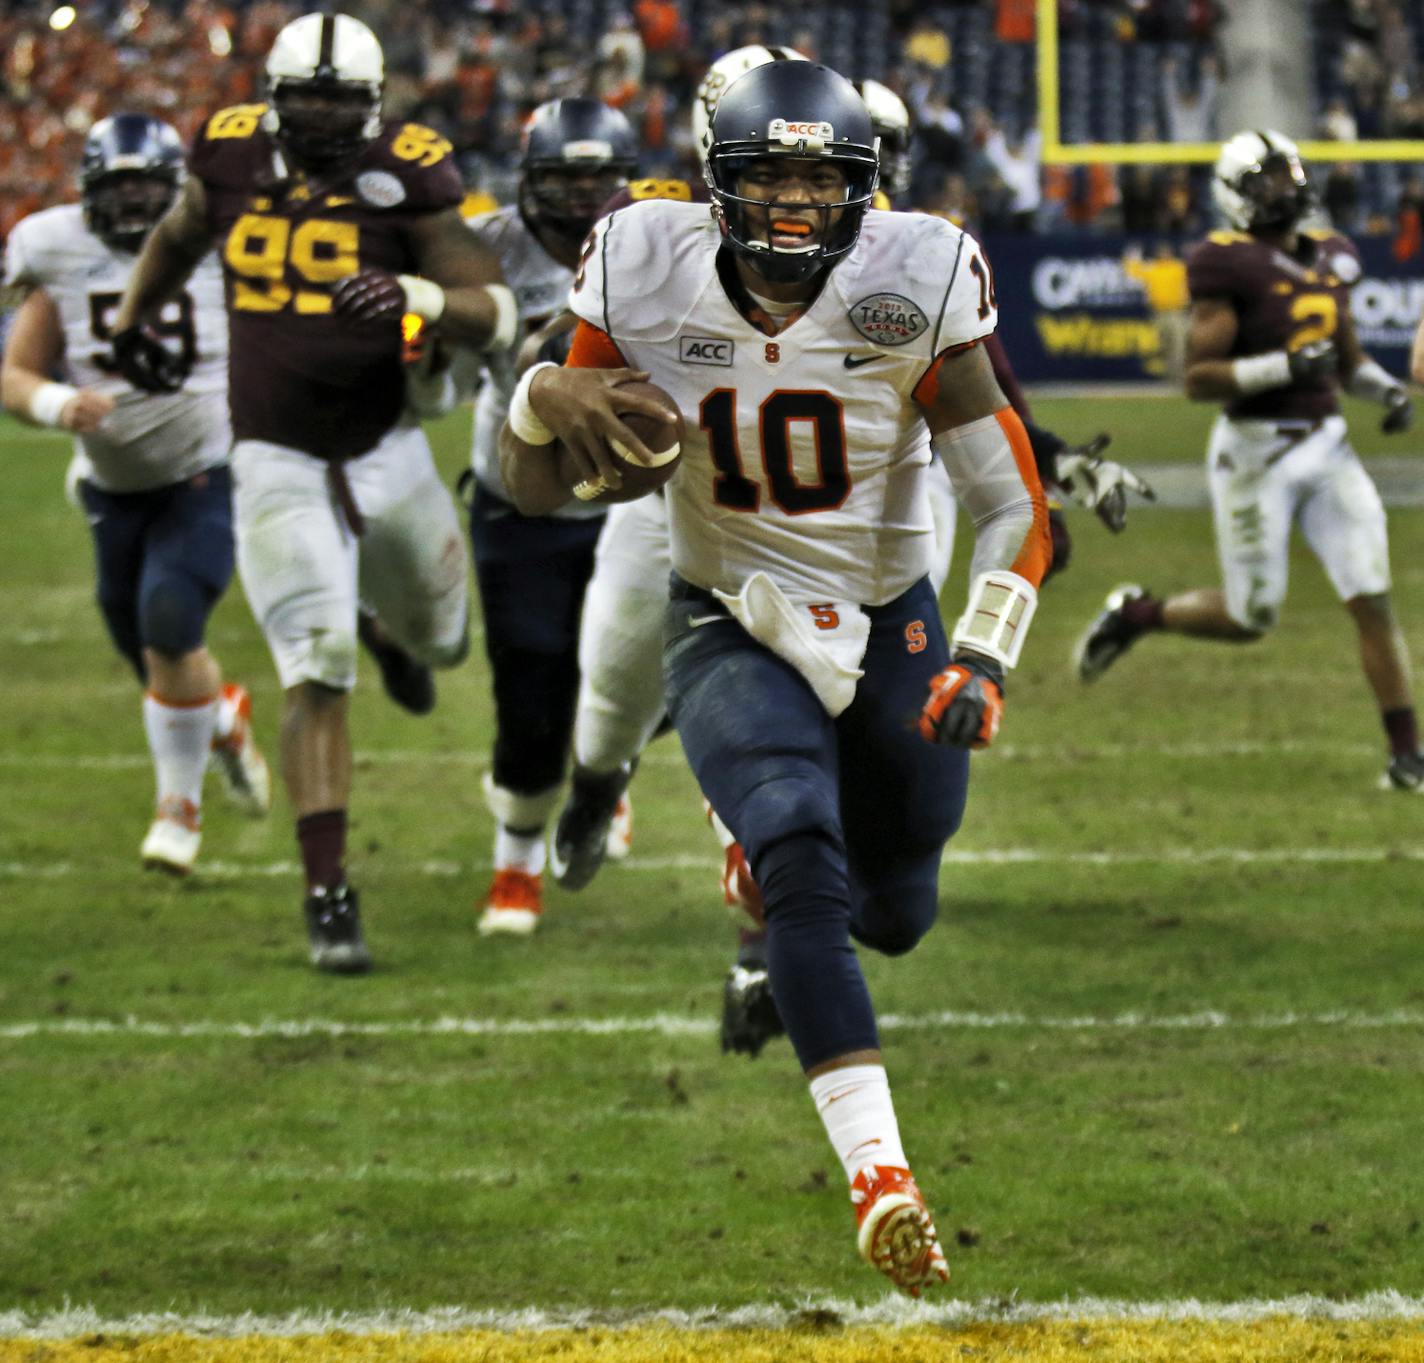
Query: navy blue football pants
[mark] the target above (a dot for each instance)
(843, 820)
(164, 559)
(532, 572)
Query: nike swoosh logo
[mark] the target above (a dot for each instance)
(855, 361)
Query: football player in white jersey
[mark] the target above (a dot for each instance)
(151, 470)
(821, 353)
(532, 571)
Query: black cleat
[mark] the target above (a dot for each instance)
(581, 834)
(407, 682)
(1405, 772)
(1109, 636)
(334, 931)
(749, 1016)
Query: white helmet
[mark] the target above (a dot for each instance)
(335, 56)
(891, 121)
(1242, 182)
(720, 75)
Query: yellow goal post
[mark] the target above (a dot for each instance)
(1055, 152)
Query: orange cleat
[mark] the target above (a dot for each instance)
(173, 838)
(237, 757)
(894, 1232)
(513, 904)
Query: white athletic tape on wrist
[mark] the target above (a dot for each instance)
(655, 459)
(1259, 373)
(1372, 382)
(506, 312)
(522, 419)
(424, 297)
(48, 401)
(996, 620)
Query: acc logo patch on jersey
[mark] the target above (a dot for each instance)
(888, 319)
(705, 350)
(380, 188)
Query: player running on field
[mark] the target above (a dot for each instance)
(1272, 339)
(331, 224)
(824, 712)
(151, 471)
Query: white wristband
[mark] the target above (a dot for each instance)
(522, 419)
(996, 620)
(48, 401)
(506, 313)
(1259, 373)
(424, 297)
(1372, 382)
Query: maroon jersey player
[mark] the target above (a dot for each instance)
(1273, 342)
(331, 225)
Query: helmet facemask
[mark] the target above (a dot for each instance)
(324, 122)
(121, 207)
(1277, 193)
(763, 228)
(566, 196)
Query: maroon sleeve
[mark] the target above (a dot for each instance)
(1212, 271)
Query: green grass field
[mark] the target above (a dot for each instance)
(1164, 1043)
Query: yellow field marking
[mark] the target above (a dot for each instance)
(1273, 1340)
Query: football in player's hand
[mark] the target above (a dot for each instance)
(663, 439)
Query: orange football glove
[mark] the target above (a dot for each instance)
(966, 704)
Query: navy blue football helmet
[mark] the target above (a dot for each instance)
(128, 176)
(577, 153)
(805, 111)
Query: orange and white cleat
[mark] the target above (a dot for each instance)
(894, 1232)
(739, 889)
(513, 904)
(173, 838)
(620, 831)
(238, 759)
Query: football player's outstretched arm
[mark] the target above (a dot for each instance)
(479, 310)
(169, 256)
(33, 351)
(1363, 377)
(990, 462)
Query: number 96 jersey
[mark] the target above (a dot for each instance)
(299, 378)
(806, 455)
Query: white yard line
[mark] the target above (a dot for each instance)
(670, 757)
(674, 1025)
(892, 1310)
(439, 869)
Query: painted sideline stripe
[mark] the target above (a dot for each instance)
(892, 1310)
(673, 1025)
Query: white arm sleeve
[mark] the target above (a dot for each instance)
(988, 485)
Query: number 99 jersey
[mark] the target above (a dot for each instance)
(299, 377)
(149, 440)
(806, 454)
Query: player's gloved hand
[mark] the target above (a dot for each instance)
(146, 362)
(966, 703)
(372, 298)
(1398, 412)
(1098, 484)
(1062, 542)
(1314, 361)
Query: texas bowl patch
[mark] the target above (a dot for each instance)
(380, 188)
(1345, 267)
(888, 319)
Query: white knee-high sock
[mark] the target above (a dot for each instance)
(519, 851)
(179, 737)
(859, 1117)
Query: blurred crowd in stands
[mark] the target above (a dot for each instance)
(474, 69)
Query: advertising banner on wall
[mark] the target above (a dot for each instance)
(1069, 311)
